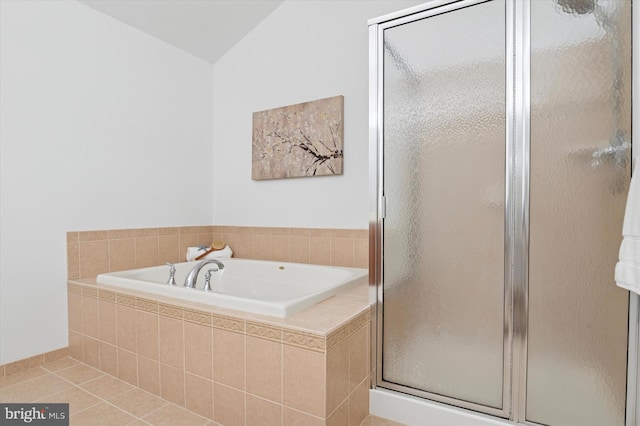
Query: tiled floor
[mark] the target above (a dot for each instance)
(96, 398)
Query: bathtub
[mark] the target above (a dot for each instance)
(261, 287)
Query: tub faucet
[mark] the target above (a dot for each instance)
(190, 281)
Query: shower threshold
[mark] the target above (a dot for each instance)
(415, 411)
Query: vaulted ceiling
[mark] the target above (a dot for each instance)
(204, 28)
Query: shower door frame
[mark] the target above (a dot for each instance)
(516, 213)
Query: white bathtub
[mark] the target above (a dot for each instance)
(261, 287)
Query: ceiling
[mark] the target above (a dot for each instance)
(204, 28)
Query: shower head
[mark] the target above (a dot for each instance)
(577, 7)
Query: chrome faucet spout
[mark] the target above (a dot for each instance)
(192, 276)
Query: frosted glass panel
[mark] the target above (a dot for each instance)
(580, 131)
(444, 168)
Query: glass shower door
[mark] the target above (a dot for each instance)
(444, 182)
(580, 169)
(503, 164)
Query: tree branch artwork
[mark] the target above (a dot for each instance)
(298, 140)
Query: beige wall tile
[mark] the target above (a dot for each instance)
(361, 253)
(300, 249)
(120, 234)
(228, 358)
(169, 249)
(186, 241)
(337, 376)
(122, 254)
(59, 364)
(304, 380)
(205, 238)
(361, 234)
(146, 251)
(171, 342)
(264, 368)
(74, 307)
(147, 334)
(281, 231)
(262, 246)
(146, 232)
(75, 346)
(126, 328)
(93, 235)
(107, 321)
(256, 230)
(169, 231)
(90, 324)
(320, 251)
(359, 404)
(24, 364)
(359, 356)
(108, 358)
(128, 367)
(73, 256)
(199, 395)
(172, 384)
(342, 252)
(91, 350)
(228, 405)
(86, 260)
(320, 233)
(296, 418)
(280, 248)
(339, 417)
(342, 233)
(300, 232)
(197, 349)
(94, 257)
(263, 413)
(149, 375)
(56, 355)
(241, 245)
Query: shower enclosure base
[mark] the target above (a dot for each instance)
(413, 411)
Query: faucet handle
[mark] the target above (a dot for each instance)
(207, 279)
(172, 273)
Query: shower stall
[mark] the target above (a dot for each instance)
(500, 164)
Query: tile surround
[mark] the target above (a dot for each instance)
(34, 361)
(90, 253)
(227, 367)
(213, 361)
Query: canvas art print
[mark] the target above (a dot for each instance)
(299, 140)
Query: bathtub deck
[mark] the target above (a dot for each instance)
(321, 319)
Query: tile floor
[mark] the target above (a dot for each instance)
(96, 398)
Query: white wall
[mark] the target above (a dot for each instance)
(101, 127)
(304, 50)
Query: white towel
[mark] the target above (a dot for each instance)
(193, 252)
(627, 273)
